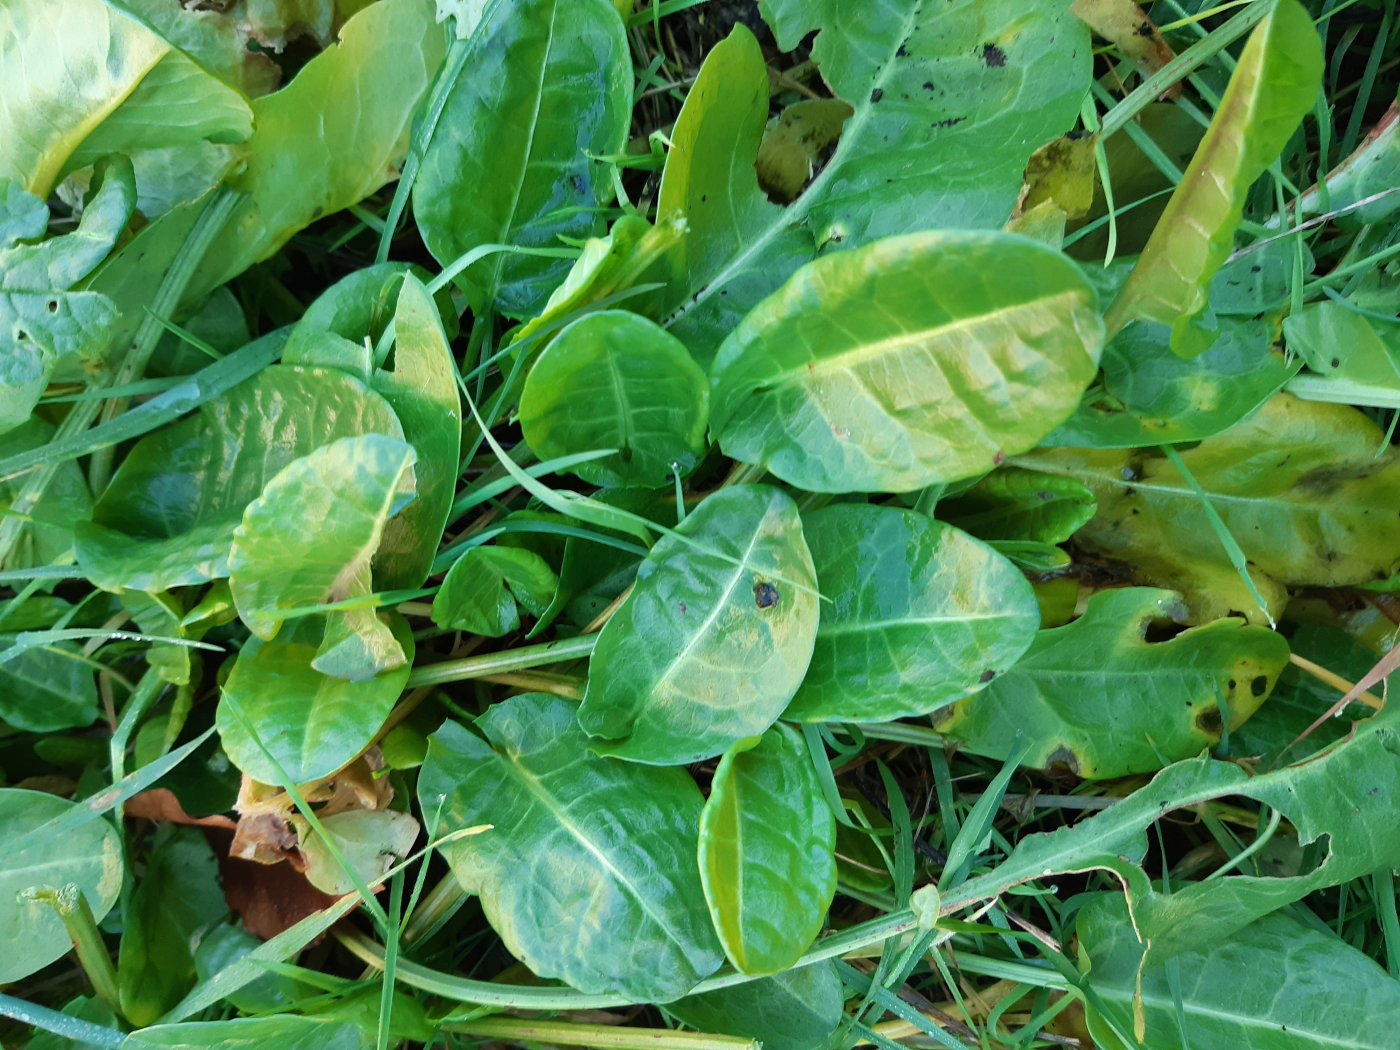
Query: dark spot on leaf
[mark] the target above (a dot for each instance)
(949, 122)
(682, 608)
(704, 197)
(317, 212)
(1062, 763)
(21, 335)
(1255, 269)
(902, 52)
(993, 56)
(765, 595)
(1230, 684)
(1145, 29)
(1336, 361)
(1209, 721)
(877, 94)
(1045, 495)
(580, 187)
(987, 676)
(1000, 457)
(1258, 685)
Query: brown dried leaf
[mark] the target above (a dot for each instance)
(161, 804)
(1127, 27)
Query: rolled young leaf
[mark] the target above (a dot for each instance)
(714, 639)
(766, 860)
(1273, 86)
(919, 359)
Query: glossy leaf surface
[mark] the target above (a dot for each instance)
(315, 527)
(423, 392)
(766, 841)
(1298, 484)
(482, 589)
(89, 856)
(919, 613)
(590, 872)
(46, 689)
(915, 360)
(168, 516)
(548, 85)
(1273, 86)
(616, 380)
(1016, 504)
(312, 723)
(1066, 694)
(715, 638)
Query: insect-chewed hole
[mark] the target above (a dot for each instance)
(765, 595)
(1259, 685)
(1209, 720)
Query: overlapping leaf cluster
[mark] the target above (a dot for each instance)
(811, 522)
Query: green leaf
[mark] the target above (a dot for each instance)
(1276, 983)
(1066, 695)
(1373, 169)
(949, 104)
(313, 530)
(423, 392)
(68, 65)
(89, 855)
(793, 1010)
(919, 613)
(177, 899)
(23, 216)
(1274, 85)
(766, 860)
(332, 136)
(590, 872)
(616, 380)
(1149, 395)
(1017, 504)
(41, 320)
(286, 1032)
(372, 841)
(480, 592)
(1298, 484)
(313, 723)
(916, 360)
(225, 945)
(47, 689)
(706, 652)
(168, 516)
(65, 507)
(333, 330)
(1339, 343)
(550, 86)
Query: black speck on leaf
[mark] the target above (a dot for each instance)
(993, 56)
(877, 94)
(987, 676)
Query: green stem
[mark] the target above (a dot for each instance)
(73, 909)
(605, 1037)
(502, 662)
(1194, 56)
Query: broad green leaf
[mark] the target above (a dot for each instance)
(715, 638)
(67, 66)
(89, 855)
(1149, 395)
(225, 945)
(1276, 984)
(1260, 281)
(286, 1032)
(1067, 694)
(176, 104)
(766, 842)
(313, 723)
(919, 614)
(332, 136)
(616, 380)
(168, 516)
(177, 899)
(65, 506)
(590, 872)
(481, 590)
(23, 216)
(549, 86)
(46, 689)
(915, 360)
(949, 101)
(407, 1020)
(334, 328)
(1298, 484)
(41, 319)
(313, 530)
(371, 840)
(1017, 504)
(1274, 85)
(793, 1010)
(423, 392)
(1339, 343)
(209, 37)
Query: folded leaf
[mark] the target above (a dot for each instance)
(589, 873)
(548, 86)
(715, 638)
(480, 591)
(920, 613)
(766, 860)
(1273, 86)
(1067, 698)
(918, 359)
(1017, 504)
(616, 380)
